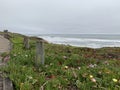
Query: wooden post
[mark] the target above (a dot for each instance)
(26, 42)
(6, 34)
(39, 53)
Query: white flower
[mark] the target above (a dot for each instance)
(30, 77)
(65, 57)
(79, 68)
(51, 64)
(92, 65)
(26, 55)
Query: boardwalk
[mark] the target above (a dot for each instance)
(5, 83)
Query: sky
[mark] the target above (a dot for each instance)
(60, 16)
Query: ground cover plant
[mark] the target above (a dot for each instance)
(66, 67)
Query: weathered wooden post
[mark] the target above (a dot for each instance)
(26, 42)
(39, 53)
(6, 34)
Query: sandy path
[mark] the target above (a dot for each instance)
(5, 84)
(4, 45)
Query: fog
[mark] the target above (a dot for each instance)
(60, 16)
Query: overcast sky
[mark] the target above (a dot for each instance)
(60, 16)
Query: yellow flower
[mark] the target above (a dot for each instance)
(66, 67)
(91, 76)
(115, 80)
(92, 79)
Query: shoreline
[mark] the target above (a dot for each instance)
(82, 41)
(33, 37)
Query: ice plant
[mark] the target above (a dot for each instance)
(93, 80)
(66, 67)
(91, 76)
(7, 58)
(115, 80)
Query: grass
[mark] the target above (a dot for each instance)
(66, 67)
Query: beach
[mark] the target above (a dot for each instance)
(84, 40)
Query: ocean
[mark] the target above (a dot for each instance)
(84, 40)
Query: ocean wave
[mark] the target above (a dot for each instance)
(83, 42)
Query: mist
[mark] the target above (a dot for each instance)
(60, 16)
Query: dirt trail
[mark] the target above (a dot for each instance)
(4, 45)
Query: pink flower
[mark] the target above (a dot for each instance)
(6, 58)
(93, 80)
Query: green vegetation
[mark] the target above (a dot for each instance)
(66, 67)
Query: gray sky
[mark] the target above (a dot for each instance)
(60, 16)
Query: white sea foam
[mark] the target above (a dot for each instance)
(82, 42)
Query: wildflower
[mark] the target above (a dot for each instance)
(92, 65)
(115, 80)
(30, 77)
(93, 80)
(66, 67)
(65, 57)
(91, 76)
(51, 64)
(7, 58)
(26, 55)
(79, 68)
